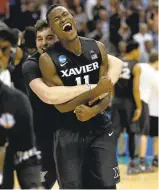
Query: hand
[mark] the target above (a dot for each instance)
(104, 85)
(83, 113)
(137, 114)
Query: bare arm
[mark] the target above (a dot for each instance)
(86, 97)
(56, 94)
(136, 83)
(136, 92)
(115, 68)
(84, 113)
(59, 95)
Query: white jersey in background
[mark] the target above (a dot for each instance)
(6, 78)
(153, 100)
(148, 81)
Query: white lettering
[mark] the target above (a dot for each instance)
(64, 72)
(78, 71)
(82, 69)
(95, 65)
(72, 72)
(89, 67)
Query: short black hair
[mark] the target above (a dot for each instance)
(131, 46)
(29, 36)
(16, 32)
(40, 25)
(7, 35)
(50, 9)
(153, 57)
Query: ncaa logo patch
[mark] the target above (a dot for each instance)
(62, 60)
(7, 120)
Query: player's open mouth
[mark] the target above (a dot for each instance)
(67, 27)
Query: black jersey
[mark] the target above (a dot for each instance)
(44, 114)
(16, 123)
(16, 128)
(76, 70)
(124, 86)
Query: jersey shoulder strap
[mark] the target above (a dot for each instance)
(91, 47)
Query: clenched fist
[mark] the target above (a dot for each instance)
(84, 113)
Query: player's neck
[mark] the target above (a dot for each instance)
(73, 46)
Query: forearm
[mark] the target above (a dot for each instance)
(64, 94)
(137, 99)
(115, 68)
(82, 99)
(102, 105)
(56, 94)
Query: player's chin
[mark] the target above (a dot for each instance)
(71, 36)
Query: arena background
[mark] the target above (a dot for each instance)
(113, 22)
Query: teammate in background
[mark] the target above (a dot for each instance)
(126, 105)
(84, 137)
(16, 129)
(153, 109)
(28, 47)
(44, 115)
(148, 80)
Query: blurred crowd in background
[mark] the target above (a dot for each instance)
(113, 22)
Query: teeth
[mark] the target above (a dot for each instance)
(68, 24)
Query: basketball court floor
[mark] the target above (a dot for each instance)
(144, 181)
(133, 182)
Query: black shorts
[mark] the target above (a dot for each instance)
(46, 148)
(86, 160)
(3, 136)
(122, 114)
(144, 120)
(153, 126)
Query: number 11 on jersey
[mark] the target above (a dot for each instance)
(79, 80)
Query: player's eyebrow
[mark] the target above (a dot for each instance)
(50, 35)
(57, 16)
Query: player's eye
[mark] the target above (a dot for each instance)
(39, 39)
(56, 20)
(65, 14)
(3, 49)
(50, 38)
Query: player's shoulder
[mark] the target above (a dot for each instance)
(14, 95)
(55, 47)
(34, 57)
(31, 61)
(137, 69)
(86, 39)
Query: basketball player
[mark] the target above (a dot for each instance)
(153, 109)
(85, 150)
(16, 129)
(127, 106)
(45, 115)
(31, 71)
(148, 80)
